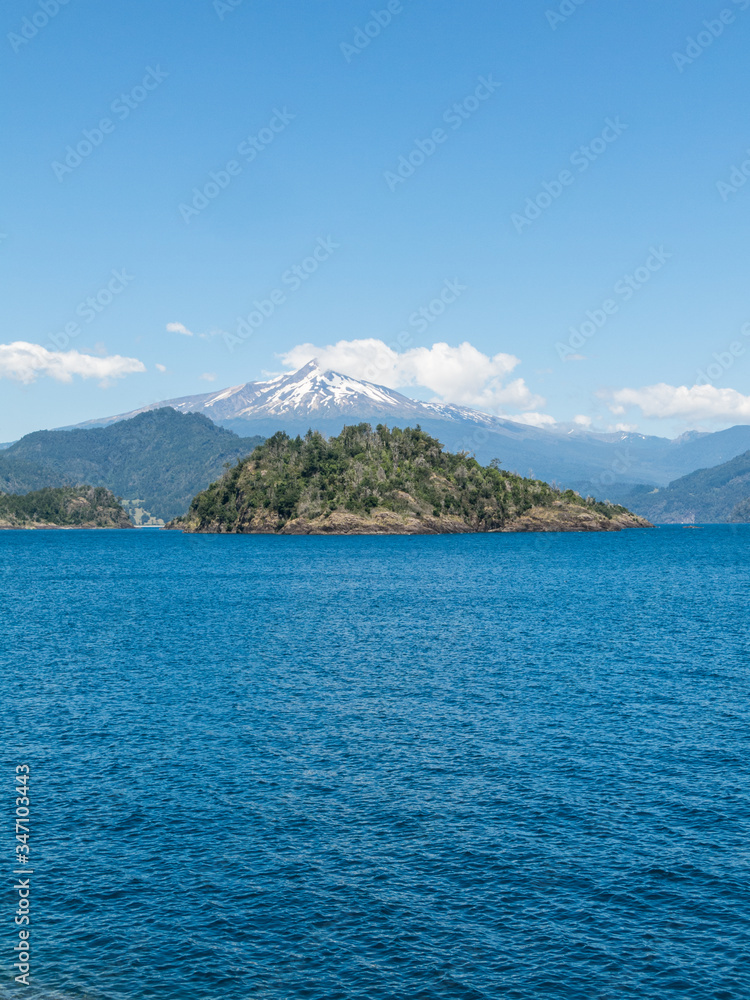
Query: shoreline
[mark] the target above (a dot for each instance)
(66, 527)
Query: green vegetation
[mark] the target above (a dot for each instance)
(162, 457)
(740, 514)
(19, 476)
(707, 496)
(64, 507)
(364, 471)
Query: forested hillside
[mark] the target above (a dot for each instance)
(161, 458)
(716, 495)
(394, 480)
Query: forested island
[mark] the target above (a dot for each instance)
(63, 507)
(383, 481)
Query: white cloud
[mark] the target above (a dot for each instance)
(534, 419)
(24, 362)
(462, 374)
(208, 376)
(179, 328)
(161, 368)
(575, 357)
(699, 402)
(581, 420)
(357, 358)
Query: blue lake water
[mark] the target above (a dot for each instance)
(438, 767)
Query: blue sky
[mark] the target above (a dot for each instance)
(641, 231)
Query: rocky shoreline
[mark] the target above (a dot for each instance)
(42, 526)
(559, 516)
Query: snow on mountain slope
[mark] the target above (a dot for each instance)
(312, 392)
(325, 400)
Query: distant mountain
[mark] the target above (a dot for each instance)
(741, 512)
(19, 476)
(309, 394)
(604, 465)
(707, 496)
(157, 461)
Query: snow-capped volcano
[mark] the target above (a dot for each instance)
(311, 390)
(326, 401)
(312, 394)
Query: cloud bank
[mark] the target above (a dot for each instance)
(24, 362)
(698, 402)
(179, 328)
(462, 374)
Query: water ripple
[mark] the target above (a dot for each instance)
(471, 767)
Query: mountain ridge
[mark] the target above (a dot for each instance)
(605, 464)
(160, 458)
(716, 495)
